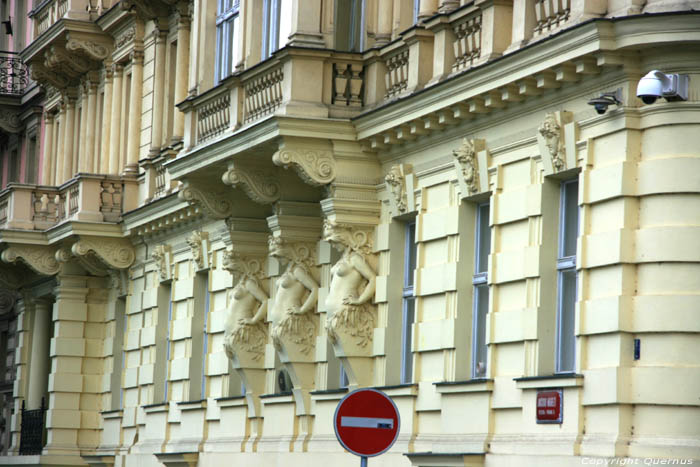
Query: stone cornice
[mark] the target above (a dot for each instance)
(586, 44)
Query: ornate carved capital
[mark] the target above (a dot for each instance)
(215, 205)
(314, 166)
(115, 253)
(259, 184)
(40, 258)
(400, 183)
(556, 136)
(471, 167)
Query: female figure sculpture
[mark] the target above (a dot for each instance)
(244, 329)
(295, 297)
(352, 286)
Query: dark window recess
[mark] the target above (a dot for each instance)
(31, 439)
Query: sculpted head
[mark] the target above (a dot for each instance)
(233, 262)
(278, 248)
(336, 234)
(551, 132)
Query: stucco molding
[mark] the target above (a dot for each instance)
(315, 167)
(260, 185)
(40, 258)
(214, 205)
(471, 161)
(115, 253)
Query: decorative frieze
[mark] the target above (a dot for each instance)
(199, 246)
(162, 257)
(400, 184)
(471, 162)
(556, 137)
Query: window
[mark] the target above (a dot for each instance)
(482, 248)
(343, 380)
(227, 32)
(277, 15)
(30, 170)
(416, 9)
(349, 20)
(409, 304)
(566, 280)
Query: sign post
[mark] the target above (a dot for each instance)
(366, 423)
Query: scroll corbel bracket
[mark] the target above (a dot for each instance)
(556, 137)
(40, 258)
(97, 51)
(400, 183)
(114, 253)
(259, 185)
(214, 205)
(471, 161)
(314, 166)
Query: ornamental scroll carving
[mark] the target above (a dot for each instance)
(115, 253)
(245, 334)
(351, 314)
(214, 205)
(40, 258)
(314, 167)
(125, 37)
(471, 166)
(161, 256)
(94, 50)
(293, 321)
(556, 136)
(400, 184)
(259, 185)
(199, 246)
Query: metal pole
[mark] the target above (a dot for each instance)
(363, 461)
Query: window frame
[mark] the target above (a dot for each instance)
(565, 264)
(479, 280)
(408, 298)
(226, 52)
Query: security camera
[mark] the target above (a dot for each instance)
(655, 84)
(606, 99)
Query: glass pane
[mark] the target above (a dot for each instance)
(569, 219)
(406, 354)
(484, 238)
(410, 254)
(284, 23)
(567, 304)
(481, 308)
(234, 42)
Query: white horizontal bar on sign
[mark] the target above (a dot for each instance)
(367, 422)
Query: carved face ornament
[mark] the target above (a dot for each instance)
(551, 132)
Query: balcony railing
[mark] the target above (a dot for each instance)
(31, 441)
(397, 72)
(467, 44)
(49, 13)
(96, 198)
(14, 75)
(266, 89)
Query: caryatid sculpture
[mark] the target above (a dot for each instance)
(293, 324)
(351, 315)
(245, 332)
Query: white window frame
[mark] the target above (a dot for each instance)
(479, 279)
(408, 297)
(271, 27)
(226, 52)
(416, 10)
(565, 264)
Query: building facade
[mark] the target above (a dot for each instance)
(220, 217)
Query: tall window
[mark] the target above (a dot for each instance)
(227, 32)
(481, 290)
(416, 9)
(566, 272)
(349, 20)
(409, 304)
(277, 15)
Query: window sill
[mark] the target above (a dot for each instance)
(567, 380)
(408, 389)
(459, 387)
(329, 394)
(279, 398)
(192, 405)
(232, 401)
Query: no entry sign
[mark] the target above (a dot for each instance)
(366, 422)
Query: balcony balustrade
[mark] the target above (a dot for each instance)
(49, 13)
(286, 84)
(14, 75)
(93, 198)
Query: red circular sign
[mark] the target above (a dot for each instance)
(366, 422)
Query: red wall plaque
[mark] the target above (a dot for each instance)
(550, 406)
